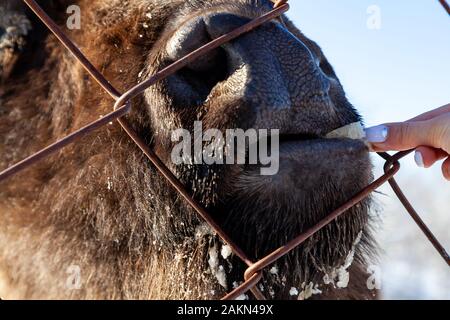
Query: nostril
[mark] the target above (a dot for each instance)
(201, 76)
(199, 31)
(189, 37)
(205, 72)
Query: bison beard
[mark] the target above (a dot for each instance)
(99, 205)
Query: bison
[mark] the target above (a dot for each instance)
(97, 221)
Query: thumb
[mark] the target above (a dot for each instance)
(405, 135)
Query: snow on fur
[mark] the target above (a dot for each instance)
(217, 270)
(340, 277)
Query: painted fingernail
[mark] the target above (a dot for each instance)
(418, 157)
(377, 134)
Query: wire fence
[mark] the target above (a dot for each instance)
(445, 5)
(122, 107)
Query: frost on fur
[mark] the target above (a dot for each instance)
(15, 27)
(293, 291)
(274, 270)
(308, 291)
(226, 252)
(340, 277)
(217, 270)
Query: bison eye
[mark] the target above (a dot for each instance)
(205, 72)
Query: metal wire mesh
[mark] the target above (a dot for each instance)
(445, 5)
(122, 106)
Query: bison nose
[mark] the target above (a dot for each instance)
(268, 68)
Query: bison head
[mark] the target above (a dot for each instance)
(104, 203)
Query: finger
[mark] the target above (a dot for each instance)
(399, 136)
(446, 169)
(432, 114)
(426, 157)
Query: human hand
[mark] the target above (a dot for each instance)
(429, 133)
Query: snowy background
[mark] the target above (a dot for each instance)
(394, 68)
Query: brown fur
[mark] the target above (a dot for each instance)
(100, 205)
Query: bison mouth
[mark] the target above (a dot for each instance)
(316, 176)
(309, 160)
(347, 136)
(353, 131)
(345, 140)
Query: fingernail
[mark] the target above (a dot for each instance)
(377, 134)
(418, 157)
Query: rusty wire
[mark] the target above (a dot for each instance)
(122, 106)
(445, 5)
